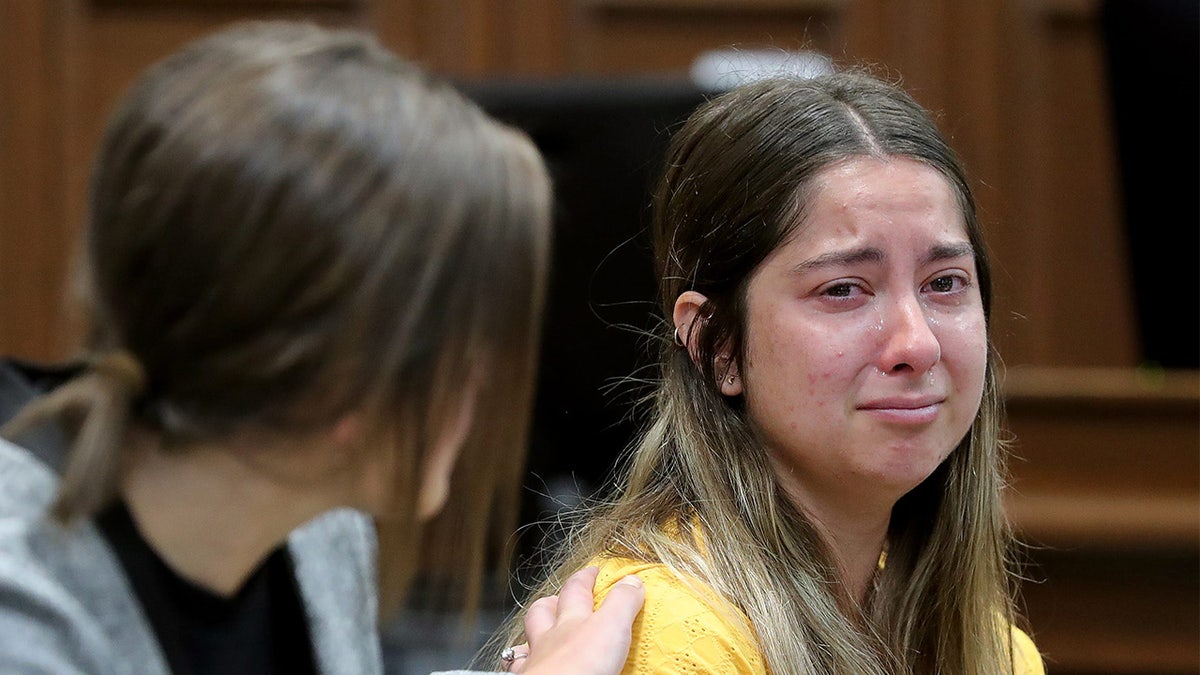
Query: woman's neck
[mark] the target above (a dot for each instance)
(855, 530)
(857, 548)
(213, 516)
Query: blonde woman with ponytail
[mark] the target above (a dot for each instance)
(315, 279)
(818, 487)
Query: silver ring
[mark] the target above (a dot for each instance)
(509, 654)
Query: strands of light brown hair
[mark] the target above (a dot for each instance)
(98, 405)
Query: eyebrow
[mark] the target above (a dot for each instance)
(848, 257)
(949, 252)
(867, 254)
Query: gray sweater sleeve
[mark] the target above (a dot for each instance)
(59, 612)
(40, 622)
(40, 630)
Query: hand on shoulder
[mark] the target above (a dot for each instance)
(566, 635)
(685, 626)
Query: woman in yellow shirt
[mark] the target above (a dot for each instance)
(827, 398)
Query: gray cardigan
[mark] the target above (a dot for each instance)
(66, 605)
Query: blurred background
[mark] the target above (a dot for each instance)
(1077, 120)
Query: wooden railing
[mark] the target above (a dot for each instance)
(1106, 493)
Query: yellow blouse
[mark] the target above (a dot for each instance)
(687, 628)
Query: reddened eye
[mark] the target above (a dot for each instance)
(843, 293)
(840, 290)
(948, 283)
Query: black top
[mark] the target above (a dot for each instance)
(261, 629)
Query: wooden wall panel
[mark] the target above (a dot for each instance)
(452, 38)
(664, 36)
(474, 39)
(537, 39)
(1106, 492)
(1123, 611)
(33, 236)
(1107, 456)
(1080, 292)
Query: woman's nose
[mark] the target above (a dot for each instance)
(908, 342)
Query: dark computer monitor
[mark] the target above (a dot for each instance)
(604, 142)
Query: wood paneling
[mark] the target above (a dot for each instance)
(1079, 288)
(34, 238)
(1106, 491)
(1107, 611)
(1106, 457)
(665, 36)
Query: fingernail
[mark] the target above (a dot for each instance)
(632, 580)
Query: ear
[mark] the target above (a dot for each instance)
(439, 462)
(435, 488)
(689, 320)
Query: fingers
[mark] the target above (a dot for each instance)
(540, 618)
(575, 600)
(624, 601)
(564, 631)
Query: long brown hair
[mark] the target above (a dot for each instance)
(288, 224)
(699, 494)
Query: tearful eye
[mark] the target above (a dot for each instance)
(946, 284)
(844, 294)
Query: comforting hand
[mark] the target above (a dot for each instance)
(567, 638)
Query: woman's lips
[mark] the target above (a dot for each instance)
(904, 410)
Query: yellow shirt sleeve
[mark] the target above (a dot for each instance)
(1026, 659)
(680, 630)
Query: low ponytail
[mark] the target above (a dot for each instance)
(95, 407)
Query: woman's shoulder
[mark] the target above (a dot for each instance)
(684, 627)
(1026, 659)
(65, 604)
(26, 485)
